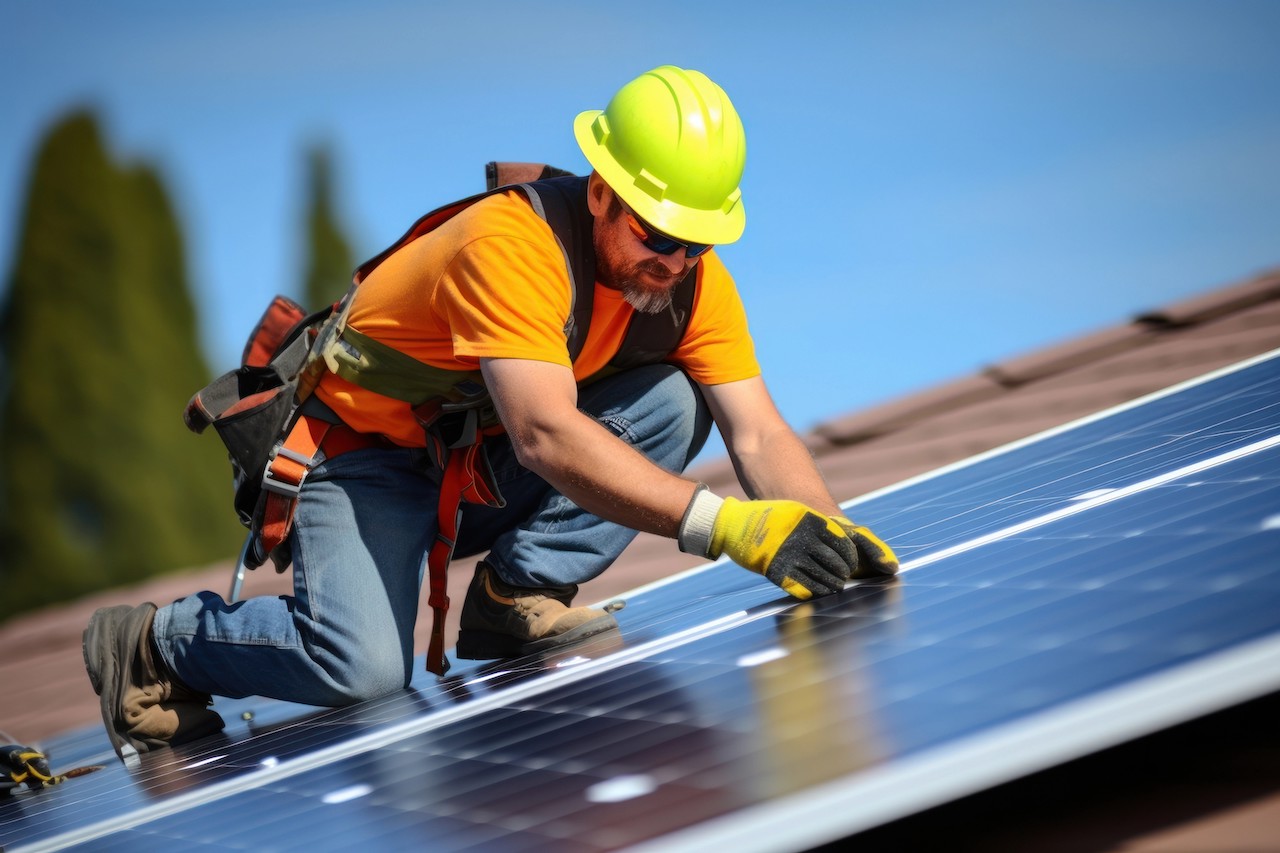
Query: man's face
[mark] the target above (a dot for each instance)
(645, 277)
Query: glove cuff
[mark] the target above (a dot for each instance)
(699, 522)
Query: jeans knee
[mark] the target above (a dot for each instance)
(658, 409)
(361, 673)
(691, 419)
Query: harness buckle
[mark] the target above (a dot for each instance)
(305, 461)
(280, 487)
(272, 483)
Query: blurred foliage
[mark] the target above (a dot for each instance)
(100, 482)
(329, 259)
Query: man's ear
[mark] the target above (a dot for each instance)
(597, 191)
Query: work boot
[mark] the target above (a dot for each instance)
(504, 621)
(144, 706)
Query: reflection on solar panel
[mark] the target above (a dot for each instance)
(1059, 596)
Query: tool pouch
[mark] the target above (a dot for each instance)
(252, 406)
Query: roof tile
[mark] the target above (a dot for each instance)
(1069, 355)
(1198, 309)
(903, 411)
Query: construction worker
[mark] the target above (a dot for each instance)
(583, 458)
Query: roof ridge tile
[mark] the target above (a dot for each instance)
(1068, 355)
(1216, 303)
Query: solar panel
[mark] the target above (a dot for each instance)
(1064, 594)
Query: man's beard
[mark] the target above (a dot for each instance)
(638, 289)
(646, 300)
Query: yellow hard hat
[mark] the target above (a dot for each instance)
(671, 145)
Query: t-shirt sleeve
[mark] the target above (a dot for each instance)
(717, 345)
(506, 297)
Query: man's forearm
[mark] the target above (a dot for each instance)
(771, 461)
(537, 402)
(782, 467)
(606, 476)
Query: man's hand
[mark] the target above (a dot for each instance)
(795, 547)
(875, 558)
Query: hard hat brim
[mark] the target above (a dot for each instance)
(692, 225)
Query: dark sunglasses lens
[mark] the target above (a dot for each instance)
(664, 245)
(661, 243)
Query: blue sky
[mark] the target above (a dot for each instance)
(930, 186)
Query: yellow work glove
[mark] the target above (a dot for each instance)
(795, 547)
(875, 559)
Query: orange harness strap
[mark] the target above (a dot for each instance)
(464, 481)
(283, 478)
(293, 460)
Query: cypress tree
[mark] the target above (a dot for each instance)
(100, 482)
(329, 259)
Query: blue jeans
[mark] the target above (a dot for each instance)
(363, 525)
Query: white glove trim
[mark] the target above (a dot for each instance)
(699, 522)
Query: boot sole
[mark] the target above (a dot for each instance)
(490, 645)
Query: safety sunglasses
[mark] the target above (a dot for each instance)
(655, 240)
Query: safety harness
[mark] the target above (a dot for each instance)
(276, 432)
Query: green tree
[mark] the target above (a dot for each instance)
(100, 482)
(329, 259)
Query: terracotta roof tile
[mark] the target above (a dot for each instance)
(1229, 300)
(1069, 355)
(878, 420)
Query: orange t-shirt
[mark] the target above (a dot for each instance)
(491, 283)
